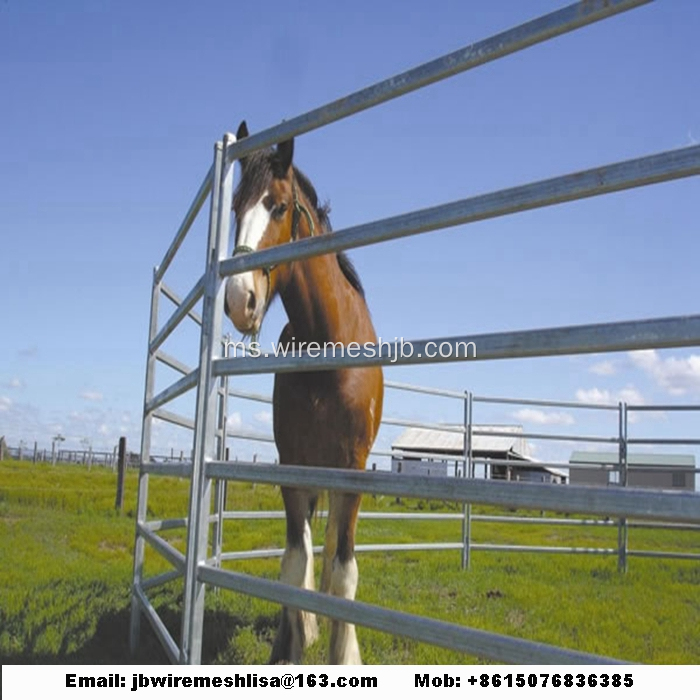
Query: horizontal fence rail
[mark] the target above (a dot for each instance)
(543, 403)
(404, 456)
(170, 294)
(445, 393)
(176, 389)
(545, 436)
(625, 502)
(676, 509)
(180, 312)
(172, 362)
(541, 29)
(443, 634)
(161, 631)
(196, 206)
(670, 332)
(548, 26)
(637, 172)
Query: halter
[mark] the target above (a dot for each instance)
(297, 210)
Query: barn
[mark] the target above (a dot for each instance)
(498, 452)
(645, 470)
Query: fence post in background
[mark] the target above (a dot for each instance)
(36, 449)
(121, 471)
(622, 525)
(2, 448)
(467, 474)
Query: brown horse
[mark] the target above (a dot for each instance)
(326, 418)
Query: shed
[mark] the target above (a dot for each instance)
(434, 452)
(644, 470)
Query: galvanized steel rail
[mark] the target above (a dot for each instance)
(442, 634)
(209, 420)
(628, 502)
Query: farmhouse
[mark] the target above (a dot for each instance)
(644, 470)
(498, 452)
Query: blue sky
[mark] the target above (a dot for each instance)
(110, 111)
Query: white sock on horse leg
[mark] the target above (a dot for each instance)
(344, 647)
(298, 570)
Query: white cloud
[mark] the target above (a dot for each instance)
(91, 395)
(594, 395)
(604, 369)
(629, 394)
(534, 415)
(14, 383)
(676, 375)
(264, 417)
(234, 421)
(5, 403)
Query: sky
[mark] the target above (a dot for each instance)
(109, 115)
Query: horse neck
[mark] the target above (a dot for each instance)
(319, 300)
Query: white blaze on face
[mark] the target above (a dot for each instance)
(254, 224)
(239, 287)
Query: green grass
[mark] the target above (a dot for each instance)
(67, 556)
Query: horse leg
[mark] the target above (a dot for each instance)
(298, 628)
(340, 572)
(331, 541)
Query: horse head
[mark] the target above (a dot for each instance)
(268, 212)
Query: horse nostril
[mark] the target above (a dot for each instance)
(251, 301)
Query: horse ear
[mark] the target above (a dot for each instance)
(242, 131)
(283, 158)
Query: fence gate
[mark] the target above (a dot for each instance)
(209, 377)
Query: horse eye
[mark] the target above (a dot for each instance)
(279, 211)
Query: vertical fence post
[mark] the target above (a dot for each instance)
(622, 525)
(204, 448)
(142, 497)
(467, 474)
(220, 485)
(121, 471)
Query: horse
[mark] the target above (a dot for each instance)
(320, 418)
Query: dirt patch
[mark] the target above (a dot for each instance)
(106, 546)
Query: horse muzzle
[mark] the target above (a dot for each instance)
(245, 301)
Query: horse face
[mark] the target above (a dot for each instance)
(263, 221)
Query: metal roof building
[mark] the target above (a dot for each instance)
(645, 470)
(427, 451)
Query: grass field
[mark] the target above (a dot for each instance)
(67, 556)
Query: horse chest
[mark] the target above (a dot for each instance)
(315, 424)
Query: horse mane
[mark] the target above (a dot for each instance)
(259, 173)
